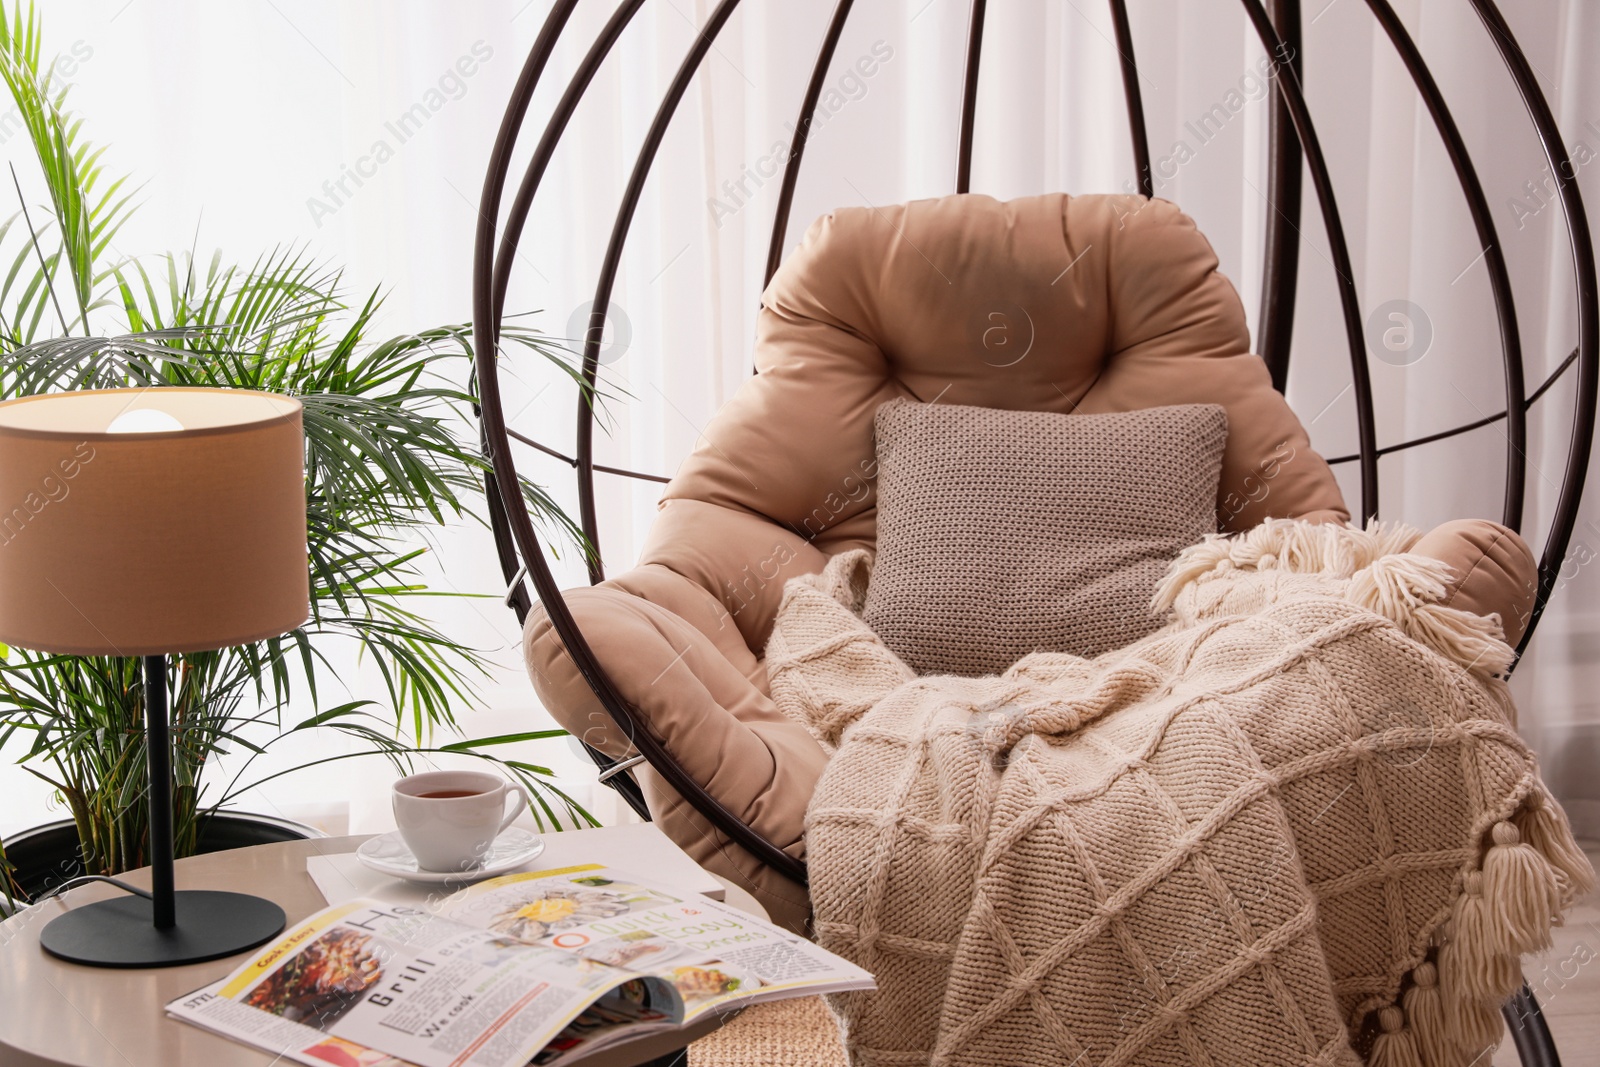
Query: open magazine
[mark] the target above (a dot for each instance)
(539, 968)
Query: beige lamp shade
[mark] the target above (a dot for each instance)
(135, 522)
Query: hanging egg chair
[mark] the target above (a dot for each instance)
(678, 585)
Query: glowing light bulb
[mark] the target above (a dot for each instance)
(144, 420)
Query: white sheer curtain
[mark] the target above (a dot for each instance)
(363, 132)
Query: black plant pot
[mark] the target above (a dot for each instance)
(48, 855)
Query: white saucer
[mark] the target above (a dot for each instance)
(388, 854)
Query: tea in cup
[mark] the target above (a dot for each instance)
(450, 819)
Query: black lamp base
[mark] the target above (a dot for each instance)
(119, 932)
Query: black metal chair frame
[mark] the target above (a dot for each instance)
(1294, 149)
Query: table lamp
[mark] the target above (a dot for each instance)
(143, 522)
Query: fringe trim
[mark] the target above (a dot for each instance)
(1395, 1045)
(1383, 577)
(1404, 589)
(1531, 869)
(1472, 966)
(1521, 892)
(1425, 1012)
(1544, 826)
(1286, 544)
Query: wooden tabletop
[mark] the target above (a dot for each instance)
(58, 1014)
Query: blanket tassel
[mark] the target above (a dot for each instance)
(1471, 1025)
(1473, 977)
(1521, 891)
(1544, 826)
(1531, 868)
(1395, 1045)
(1471, 963)
(1425, 1014)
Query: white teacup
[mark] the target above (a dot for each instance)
(449, 819)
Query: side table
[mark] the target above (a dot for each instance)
(58, 1014)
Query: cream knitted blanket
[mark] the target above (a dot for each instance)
(1296, 826)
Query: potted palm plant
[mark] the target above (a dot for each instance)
(389, 456)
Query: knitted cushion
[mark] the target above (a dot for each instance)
(1002, 533)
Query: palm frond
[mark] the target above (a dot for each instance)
(88, 208)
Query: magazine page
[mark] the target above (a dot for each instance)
(715, 955)
(366, 981)
(618, 1016)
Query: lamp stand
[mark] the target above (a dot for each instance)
(169, 927)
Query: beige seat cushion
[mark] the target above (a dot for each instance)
(1002, 533)
(1052, 303)
(1058, 304)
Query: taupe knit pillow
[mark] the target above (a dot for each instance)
(1002, 533)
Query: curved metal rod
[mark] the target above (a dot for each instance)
(1280, 273)
(1349, 302)
(1530, 1034)
(1476, 424)
(521, 524)
(1134, 96)
(1493, 258)
(522, 204)
(1583, 270)
(969, 97)
(533, 174)
(704, 39)
(802, 133)
(486, 314)
(486, 329)
(512, 531)
(571, 462)
(517, 216)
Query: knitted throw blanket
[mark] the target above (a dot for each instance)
(1296, 826)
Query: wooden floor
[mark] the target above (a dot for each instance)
(1567, 982)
